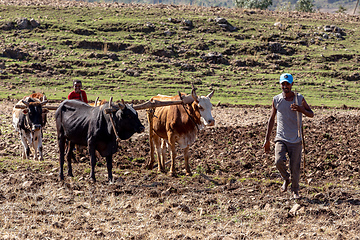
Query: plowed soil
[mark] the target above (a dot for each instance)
(234, 192)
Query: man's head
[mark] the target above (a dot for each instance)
(286, 77)
(286, 81)
(77, 86)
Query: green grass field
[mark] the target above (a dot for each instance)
(137, 51)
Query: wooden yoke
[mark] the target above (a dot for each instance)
(154, 104)
(19, 106)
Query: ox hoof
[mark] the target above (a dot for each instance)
(172, 174)
(189, 174)
(285, 185)
(149, 167)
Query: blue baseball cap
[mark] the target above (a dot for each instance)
(286, 77)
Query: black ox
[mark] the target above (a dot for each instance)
(94, 127)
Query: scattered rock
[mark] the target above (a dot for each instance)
(153, 194)
(184, 208)
(275, 47)
(278, 24)
(7, 26)
(223, 23)
(27, 184)
(34, 23)
(23, 23)
(188, 24)
(14, 53)
(214, 57)
(294, 209)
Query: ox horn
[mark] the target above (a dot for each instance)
(96, 101)
(26, 103)
(122, 104)
(193, 94)
(43, 102)
(210, 94)
(110, 109)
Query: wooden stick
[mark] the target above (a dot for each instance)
(300, 129)
(357, 3)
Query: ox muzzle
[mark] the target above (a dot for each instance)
(36, 127)
(211, 122)
(141, 129)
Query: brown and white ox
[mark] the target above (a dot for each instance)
(28, 122)
(173, 124)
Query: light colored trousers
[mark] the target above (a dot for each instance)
(294, 153)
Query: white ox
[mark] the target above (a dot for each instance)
(28, 121)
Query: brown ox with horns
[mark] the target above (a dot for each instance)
(177, 124)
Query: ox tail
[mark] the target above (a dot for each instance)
(150, 116)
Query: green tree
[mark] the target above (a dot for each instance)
(259, 4)
(305, 6)
(341, 9)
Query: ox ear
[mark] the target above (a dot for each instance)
(121, 106)
(210, 94)
(43, 102)
(25, 111)
(195, 97)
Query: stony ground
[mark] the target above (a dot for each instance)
(233, 193)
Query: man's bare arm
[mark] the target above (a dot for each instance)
(269, 129)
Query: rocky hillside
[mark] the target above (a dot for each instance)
(135, 51)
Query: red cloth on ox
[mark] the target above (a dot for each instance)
(77, 96)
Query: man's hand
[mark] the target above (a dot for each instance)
(297, 108)
(266, 146)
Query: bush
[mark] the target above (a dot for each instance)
(259, 4)
(284, 7)
(341, 9)
(305, 6)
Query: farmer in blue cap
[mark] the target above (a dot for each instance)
(289, 107)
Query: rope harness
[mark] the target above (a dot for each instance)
(113, 125)
(110, 112)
